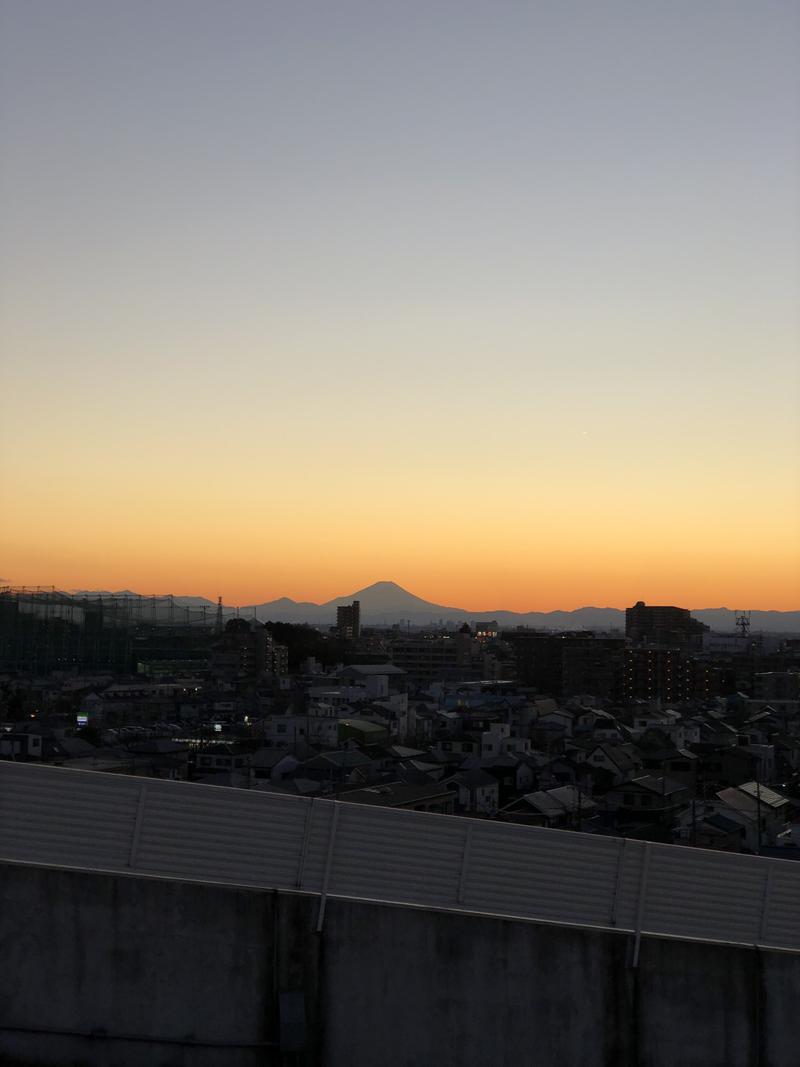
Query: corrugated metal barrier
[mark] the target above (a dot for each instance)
(108, 822)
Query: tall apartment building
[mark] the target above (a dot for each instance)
(246, 649)
(446, 657)
(348, 621)
(660, 625)
(568, 664)
(656, 672)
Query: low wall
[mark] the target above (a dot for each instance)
(131, 971)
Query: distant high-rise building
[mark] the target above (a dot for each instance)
(568, 664)
(658, 625)
(348, 621)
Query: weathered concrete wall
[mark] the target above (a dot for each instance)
(136, 972)
(131, 956)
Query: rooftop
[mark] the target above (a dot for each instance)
(394, 794)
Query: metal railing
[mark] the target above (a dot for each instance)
(120, 823)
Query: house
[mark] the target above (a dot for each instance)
(457, 745)
(364, 731)
(677, 763)
(787, 751)
(622, 761)
(606, 727)
(562, 807)
(422, 770)
(716, 733)
(506, 771)
(647, 796)
(762, 812)
(403, 752)
(527, 769)
(692, 732)
(558, 721)
(720, 832)
(383, 759)
(222, 757)
(33, 741)
(478, 791)
(272, 763)
(666, 720)
(319, 726)
(161, 757)
(375, 681)
(759, 728)
(423, 721)
(20, 745)
(434, 797)
(493, 738)
(339, 767)
(563, 770)
(386, 714)
(745, 763)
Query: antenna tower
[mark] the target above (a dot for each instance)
(743, 623)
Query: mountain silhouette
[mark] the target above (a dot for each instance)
(390, 598)
(387, 603)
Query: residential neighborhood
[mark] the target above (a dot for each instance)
(713, 770)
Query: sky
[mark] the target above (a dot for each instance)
(498, 300)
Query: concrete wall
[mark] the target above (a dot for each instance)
(119, 971)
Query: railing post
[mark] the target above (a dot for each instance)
(328, 864)
(765, 897)
(462, 878)
(618, 882)
(137, 826)
(301, 866)
(640, 907)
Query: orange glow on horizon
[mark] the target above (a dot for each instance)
(591, 530)
(550, 590)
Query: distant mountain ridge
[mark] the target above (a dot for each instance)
(387, 603)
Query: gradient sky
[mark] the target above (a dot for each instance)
(495, 299)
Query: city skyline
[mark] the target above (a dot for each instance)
(498, 301)
(385, 595)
